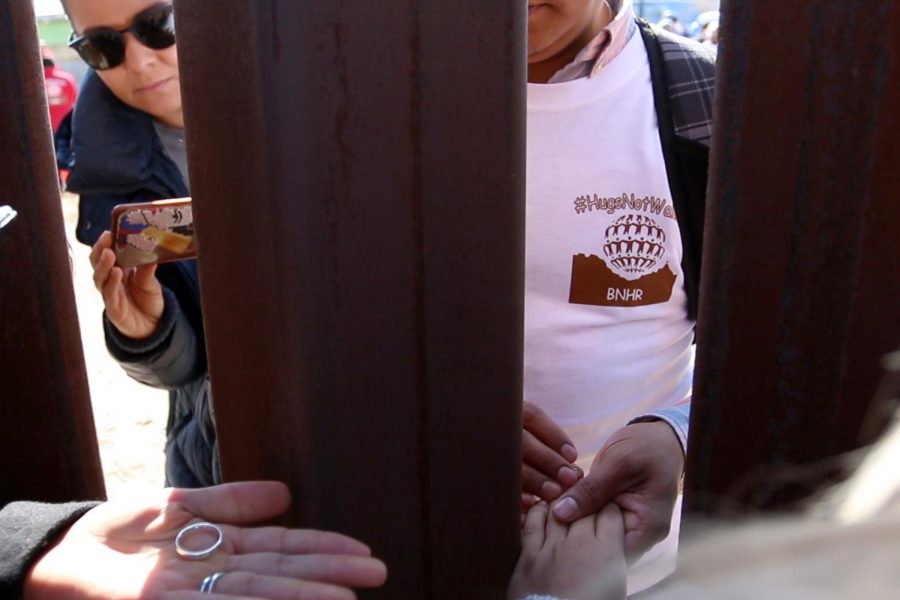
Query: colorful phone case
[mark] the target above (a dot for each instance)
(153, 232)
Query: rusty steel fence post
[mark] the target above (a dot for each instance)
(358, 175)
(801, 294)
(48, 446)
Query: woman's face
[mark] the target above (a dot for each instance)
(147, 79)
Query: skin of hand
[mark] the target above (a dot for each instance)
(639, 469)
(581, 561)
(547, 457)
(133, 297)
(126, 550)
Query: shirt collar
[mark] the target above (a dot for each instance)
(601, 50)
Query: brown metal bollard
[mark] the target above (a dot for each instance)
(357, 171)
(48, 446)
(800, 294)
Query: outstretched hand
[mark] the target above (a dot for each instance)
(639, 469)
(133, 297)
(126, 550)
(581, 561)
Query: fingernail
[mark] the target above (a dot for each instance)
(569, 453)
(565, 509)
(550, 490)
(568, 476)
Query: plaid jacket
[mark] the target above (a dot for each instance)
(683, 75)
(691, 71)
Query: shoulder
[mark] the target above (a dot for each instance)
(678, 48)
(100, 115)
(690, 76)
(113, 145)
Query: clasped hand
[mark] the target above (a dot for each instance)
(639, 469)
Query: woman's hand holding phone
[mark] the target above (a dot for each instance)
(133, 297)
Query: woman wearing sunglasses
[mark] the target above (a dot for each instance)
(128, 146)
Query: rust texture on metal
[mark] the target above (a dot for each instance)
(800, 290)
(48, 445)
(357, 170)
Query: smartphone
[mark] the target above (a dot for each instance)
(153, 232)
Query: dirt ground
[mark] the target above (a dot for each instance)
(130, 417)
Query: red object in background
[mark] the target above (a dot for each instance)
(61, 92)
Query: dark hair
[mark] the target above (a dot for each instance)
(48, 62)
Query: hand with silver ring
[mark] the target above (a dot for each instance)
(184, 544)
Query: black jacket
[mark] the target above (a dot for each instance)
(115, 157)
(27, 531)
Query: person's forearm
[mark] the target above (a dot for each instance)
(27, 530)
(169, 358)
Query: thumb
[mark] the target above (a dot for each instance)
(145, 277)
(589, 495)
(240, 503)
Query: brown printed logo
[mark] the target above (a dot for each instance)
(633, 270)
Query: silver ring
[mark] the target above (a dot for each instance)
(198, 554)
(209, 582)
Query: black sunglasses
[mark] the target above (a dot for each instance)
(104, 48)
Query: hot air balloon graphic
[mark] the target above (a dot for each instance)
(635, 246)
